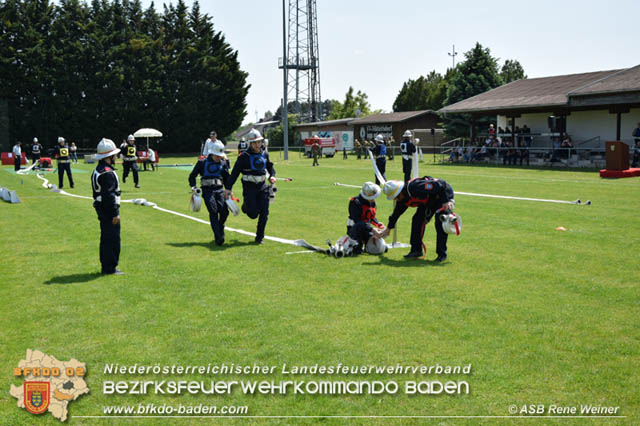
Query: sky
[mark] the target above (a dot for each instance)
(375, 46)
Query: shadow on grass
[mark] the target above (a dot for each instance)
(212, 245)
(74, 278)
(406, 263)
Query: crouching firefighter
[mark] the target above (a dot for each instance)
(431, 197)
(257, 172)
(214, 169)
(106, 196)
(362, 224)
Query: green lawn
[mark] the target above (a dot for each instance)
(543, 316)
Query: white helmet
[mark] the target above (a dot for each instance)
(242, 139)
(131, 138)
(254, 136)
(379, 138)
(407, 134)
(106, 148)
(417, 140)
(216, 148)
(392, 188)
(35, 140)
(60, 139)
(451, 223)
(376, 245)
(370, 191)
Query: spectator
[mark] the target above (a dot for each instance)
(73, 149)
(17, 155)
(567, 143)
(636, 154)
(151, 159)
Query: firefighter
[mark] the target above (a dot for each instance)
(315, 151)
(432, 197)
(129, 161)
(362, 223)
(36, 150)
(407, 148)
(214, 169)
(61, 152)
(380, 154)
(257, 170)
(106, 196)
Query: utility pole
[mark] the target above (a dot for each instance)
(285, 72)
(453, 54)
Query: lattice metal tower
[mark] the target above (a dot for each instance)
(303, 60)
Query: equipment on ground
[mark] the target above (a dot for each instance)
(376, 245)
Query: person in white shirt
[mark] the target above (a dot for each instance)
(17, 155)
(208, 144)
(151, 159)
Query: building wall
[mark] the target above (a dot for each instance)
(369, 131)
(582, 125)
(342, 134)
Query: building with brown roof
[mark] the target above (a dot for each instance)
(596, 106)
(393, 124)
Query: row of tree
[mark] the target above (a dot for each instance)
(105, 69)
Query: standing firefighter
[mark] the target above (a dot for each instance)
(17, 156)
(256, 171)
(106, 196)
(315, 151)
(214, 170)
(129, 161)
(380, 154)
(407, 148)
(432, 197)
(36, 150)
(362, 224)
(64, 163)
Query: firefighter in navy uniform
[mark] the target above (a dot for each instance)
(256, 171)
(61, 152)
(214, 169)
(36, 150)
(432, 197)
(106, 196)
(380, 154)
(129, 161)
(407, 148)
(242, 146)
(362, 223)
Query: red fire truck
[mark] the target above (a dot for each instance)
(327, 146)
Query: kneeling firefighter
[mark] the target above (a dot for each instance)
(431, 197)
(257, 172)
(214, 172)
(362, 225)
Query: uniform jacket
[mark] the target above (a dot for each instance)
(429, 192)
(106, 189)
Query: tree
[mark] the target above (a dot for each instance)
(353, 106)
(276, 134)
(105, 69)
(424, 93)
(512, 71)
(477, 74)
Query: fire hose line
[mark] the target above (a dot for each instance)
(144, 202)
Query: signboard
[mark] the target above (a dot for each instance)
(370, 132)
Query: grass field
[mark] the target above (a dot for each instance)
(543, 316)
